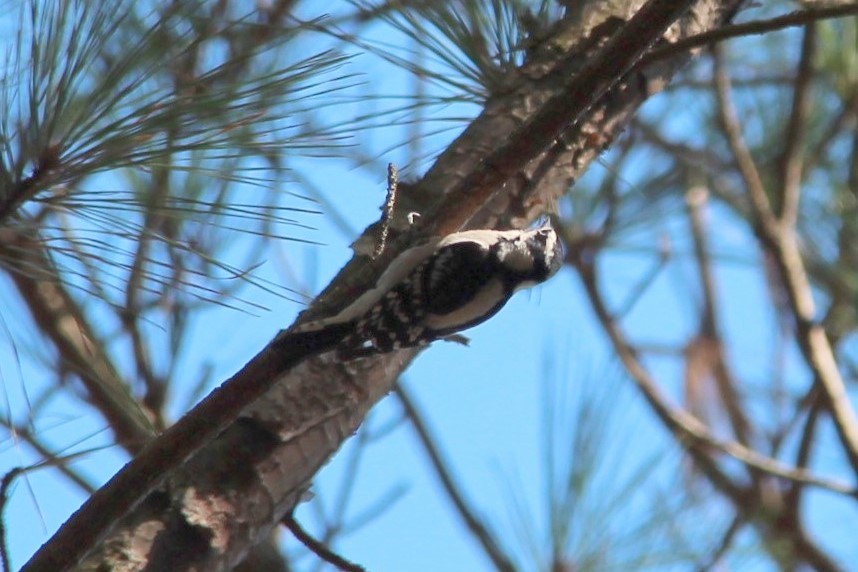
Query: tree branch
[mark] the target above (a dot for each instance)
(709, 330)
(584, 87)
(309, 412)
(485, 538)
(792, 158)
(729, 124)
(60, 318)
(687, 430)
(318, 548)
(780, 242)
(711, 37)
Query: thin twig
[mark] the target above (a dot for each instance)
(318, 548)
(389, 205)
(724, 545)
(792, 158)
(492, 549)
(130, 316)
(334, 526)
(637, 290)
(687, 429)
(792, 498)
(4, 497)
(843, 120)
(756, 27)
(729, 124)
(50, 457)
(709, 330)
(59, 316)
(781, 243)
(695, 158)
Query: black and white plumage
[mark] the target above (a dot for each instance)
(437, 289)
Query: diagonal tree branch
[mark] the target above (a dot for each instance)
(580, 91)
(729, 124)
(791, 20)
(710, 333)
(781, 244)
(307, 414)
(487, 540)
(60, 318)
(792, 158)
(687, 429)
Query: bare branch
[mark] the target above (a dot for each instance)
(791, 20)
(153, 217)
(730, 125)
(5, 484)
(792, 158)
(62, 320)
(781, 244)
(320, 549)
(486, 539)
(792, 500)
(725, 544)
(709, 331)
(687, 429)
(52, 459)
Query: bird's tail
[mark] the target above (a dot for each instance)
(294, 347)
